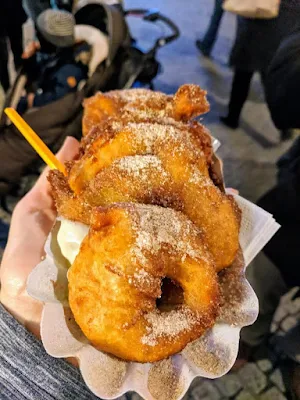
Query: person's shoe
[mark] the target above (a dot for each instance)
(230, 123)
(202, 48)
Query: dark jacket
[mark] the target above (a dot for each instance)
(52, 123)
(57, 75)
(283, 202)
(258, 39)
(12, 15)
(283, 84)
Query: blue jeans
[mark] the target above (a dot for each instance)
(211, 34)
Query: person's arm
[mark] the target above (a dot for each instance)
(29, 59)
(31, 223)
(67, 80)
(30, 49)
(283, 84)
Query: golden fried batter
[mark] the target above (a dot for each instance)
(142, 105)
(117, 169)
(196, 132)
(165, 141)
(148, 180)
(145, 184)
(116, 279)
(67, 204)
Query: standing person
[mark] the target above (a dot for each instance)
(12, 17)
(206, 44)
(282, 91)
(282, 94)
(255, 45)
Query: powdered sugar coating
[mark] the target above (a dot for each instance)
(208, 354)
(143, 277)
(200, 179)
(140, 95)
(149, 134)
(165, 379)
(167, 325)
(137, 166)
(157, 227)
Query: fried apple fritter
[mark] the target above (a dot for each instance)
(146, 183)
(157, 164)
(116, 279)
(142, 105)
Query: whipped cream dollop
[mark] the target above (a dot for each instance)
(70, 237)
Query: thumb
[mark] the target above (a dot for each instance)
(68, 150)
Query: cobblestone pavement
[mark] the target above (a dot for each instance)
(249, 155)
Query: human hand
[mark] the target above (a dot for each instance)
(30, 100)
(30, 49)
(31, 223)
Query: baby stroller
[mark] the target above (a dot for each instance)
(116, 63)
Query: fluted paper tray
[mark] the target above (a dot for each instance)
(210, 356)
